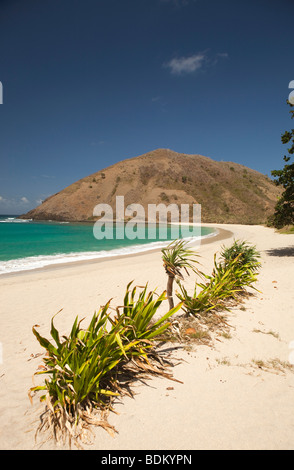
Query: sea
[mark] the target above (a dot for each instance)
(27, 244)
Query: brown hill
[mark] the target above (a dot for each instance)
(228, 192)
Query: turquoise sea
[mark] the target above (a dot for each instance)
(26, 244)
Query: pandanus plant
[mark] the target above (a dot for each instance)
(83, 368)
(237, 269)
(176, 256)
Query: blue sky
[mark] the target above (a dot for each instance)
(87, 83)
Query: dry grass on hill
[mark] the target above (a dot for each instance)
(228, 192)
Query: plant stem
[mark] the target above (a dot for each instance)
(169, 290)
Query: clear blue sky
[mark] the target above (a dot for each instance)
(87, 83)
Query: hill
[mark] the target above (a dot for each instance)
(228, 192)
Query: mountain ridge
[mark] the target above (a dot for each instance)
(228, 192)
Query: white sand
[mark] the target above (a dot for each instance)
(224, 402)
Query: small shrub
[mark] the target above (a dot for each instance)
(176, 257)
(236, 270)
(164, 197)
(84, 367)
(247, 255)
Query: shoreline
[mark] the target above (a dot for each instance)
(221, 234)
(236, 394)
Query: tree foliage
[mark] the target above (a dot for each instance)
(284, 210)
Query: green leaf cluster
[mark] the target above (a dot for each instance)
(137, 316)
(82, 366)
(236, 270)
(284, 210)
(177, 256)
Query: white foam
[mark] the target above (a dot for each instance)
(13, 220)
(36, 262)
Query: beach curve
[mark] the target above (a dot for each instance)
(225, 402)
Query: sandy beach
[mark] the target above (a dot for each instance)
(225, 401)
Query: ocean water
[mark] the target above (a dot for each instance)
(26, 244)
